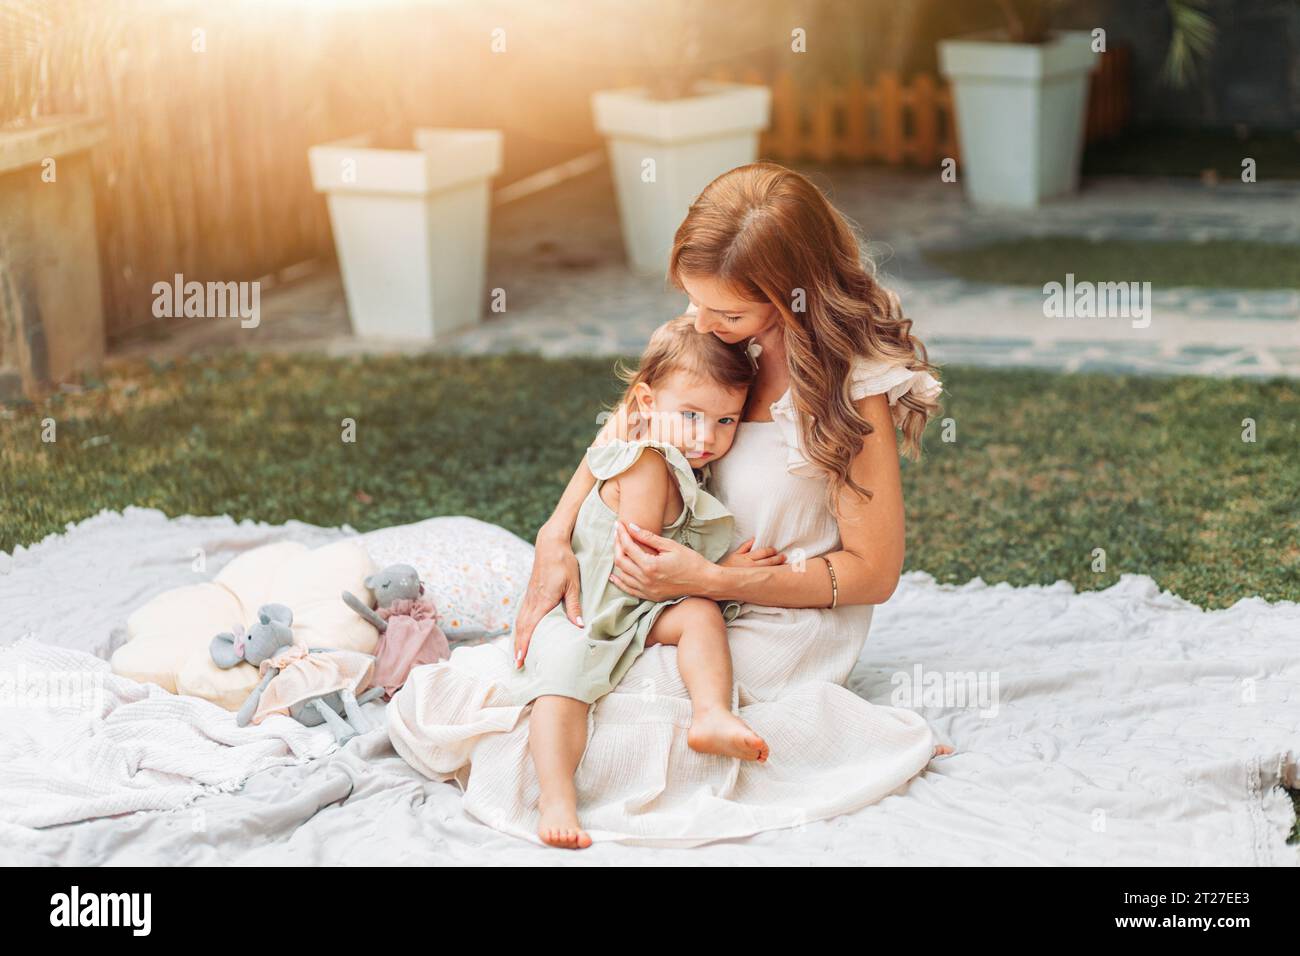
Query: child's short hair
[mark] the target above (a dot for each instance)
(676, 347)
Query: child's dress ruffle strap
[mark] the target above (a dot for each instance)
(707, 524)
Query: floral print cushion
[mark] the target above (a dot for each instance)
(474, 572)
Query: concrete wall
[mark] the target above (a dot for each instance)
(1253, 76)
(51, 317)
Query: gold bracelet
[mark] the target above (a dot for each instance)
(835, 587)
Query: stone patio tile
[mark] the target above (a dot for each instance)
(1209, 350)
(558, 255)
(1286, 356)
(989, 343)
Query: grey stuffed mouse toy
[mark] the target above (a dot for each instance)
(315, 690)
(409, 635)
(397, 582)
(401, 582)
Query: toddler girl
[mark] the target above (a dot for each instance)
(684, 404)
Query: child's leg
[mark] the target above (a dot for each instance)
(696, 627)
(557, 734)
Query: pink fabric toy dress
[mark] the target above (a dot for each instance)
(413, 638)
(304, 675)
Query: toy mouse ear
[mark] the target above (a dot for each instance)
(369, 581)
(278, 613)
(224, 653)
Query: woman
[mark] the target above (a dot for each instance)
(813, 476)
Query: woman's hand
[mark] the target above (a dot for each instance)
(554, 578)
(654, 568)
(747, 556)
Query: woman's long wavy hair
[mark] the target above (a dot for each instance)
(770, 234)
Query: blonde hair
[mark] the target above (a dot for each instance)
(676, 347)
(771, 235)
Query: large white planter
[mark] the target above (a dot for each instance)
(664, 152)
(1020, 114)
(411, 229)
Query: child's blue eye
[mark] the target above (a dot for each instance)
(726, 421)
(691, 415)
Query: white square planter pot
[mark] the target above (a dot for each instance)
(664, 152)
(1021, 109)
(411, 229)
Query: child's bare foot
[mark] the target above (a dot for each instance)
(559, 826)
(722, 732)
(942, 750)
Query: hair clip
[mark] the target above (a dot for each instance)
(753, 350)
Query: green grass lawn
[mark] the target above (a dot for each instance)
(1227, 264)
(1045, 467)
(1175, 152)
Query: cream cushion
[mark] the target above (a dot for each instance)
(168, 638)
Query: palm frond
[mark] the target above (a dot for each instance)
(1194, 36)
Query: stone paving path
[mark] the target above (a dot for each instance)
(558, 256)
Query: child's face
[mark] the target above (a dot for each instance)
(698, 416)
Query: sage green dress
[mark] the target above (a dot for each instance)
(587, 663)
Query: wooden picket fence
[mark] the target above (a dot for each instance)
(1109, 103)
(896, 121)
(887, 120)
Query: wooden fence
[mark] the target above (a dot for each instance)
(204, 169)
(901, 121)
(1109, 103)
(889, 120)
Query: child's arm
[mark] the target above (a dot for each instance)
(643, 491)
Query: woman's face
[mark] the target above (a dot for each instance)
(726, 314)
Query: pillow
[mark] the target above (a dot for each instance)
(474, 572)
(168, 638)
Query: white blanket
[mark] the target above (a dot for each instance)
(106, 745)
(1129, 727)
(81, 742)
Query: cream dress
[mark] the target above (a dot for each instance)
(832, 752)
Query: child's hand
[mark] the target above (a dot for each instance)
(746, 556)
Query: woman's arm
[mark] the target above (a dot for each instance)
(555, 576)
(867, 566)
